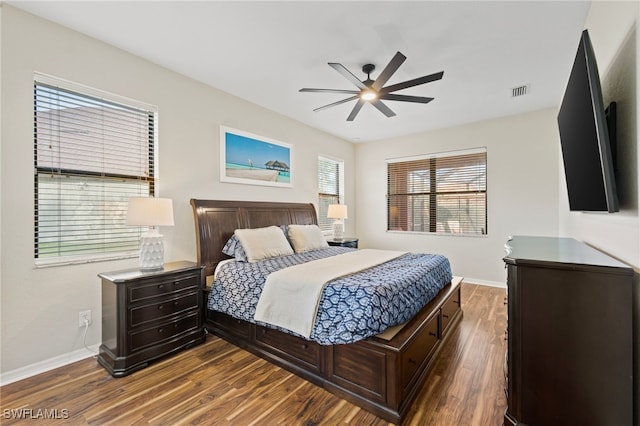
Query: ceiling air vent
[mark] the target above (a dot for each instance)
(519, 91)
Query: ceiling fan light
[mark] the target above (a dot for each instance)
(368, 95)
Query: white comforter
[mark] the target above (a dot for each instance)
(290, 296)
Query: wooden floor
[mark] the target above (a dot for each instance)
(217, 383)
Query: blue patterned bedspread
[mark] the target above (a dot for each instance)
(351, 308)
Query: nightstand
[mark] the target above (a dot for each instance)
(149, 314)
(343, 242)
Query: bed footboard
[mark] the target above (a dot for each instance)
(381, 376)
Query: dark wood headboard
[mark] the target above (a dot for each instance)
(216, 220)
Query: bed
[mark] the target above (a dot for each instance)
(382, 373)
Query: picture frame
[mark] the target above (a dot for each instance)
(254, 160)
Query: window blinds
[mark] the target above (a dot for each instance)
(442, 193)
(90, 155)
(329, 189)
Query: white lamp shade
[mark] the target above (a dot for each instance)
(337, 211)
(150, 211)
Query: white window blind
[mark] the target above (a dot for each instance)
(90, 155)
(330, 189)
(440, 193)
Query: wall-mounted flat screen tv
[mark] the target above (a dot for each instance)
(584, 137)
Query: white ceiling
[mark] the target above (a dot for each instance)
(266, 51)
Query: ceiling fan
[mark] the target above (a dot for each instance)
(373, 91)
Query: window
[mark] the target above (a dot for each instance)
(441, 193)
(330, 189)
(91, 154)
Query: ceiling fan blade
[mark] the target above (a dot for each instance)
(383, 108)
(336, 103)
(346, 73)
(388, 71)
(356, 109)
(351, 92)
(405, 98)
(411, 83)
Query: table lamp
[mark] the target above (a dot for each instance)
(151, 212)
(339, 213)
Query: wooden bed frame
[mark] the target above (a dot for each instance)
(381, 376)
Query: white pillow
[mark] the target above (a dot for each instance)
(263, 243)
(306, 238)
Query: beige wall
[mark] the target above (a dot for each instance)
(39, 307)
(522, 182)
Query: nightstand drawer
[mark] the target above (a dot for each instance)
(163, 309)
(156, 288)
(343, 242)
(352, 244)
(156, 335)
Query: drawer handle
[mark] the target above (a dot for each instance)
(412, 361)
(160, 286)
(445, 316)
(431, 333)
(160, 307)
(305, 346)
(161, 330)
(176, 303)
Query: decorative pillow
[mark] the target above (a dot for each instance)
(263, 243)
(234, 249)
(306, 238)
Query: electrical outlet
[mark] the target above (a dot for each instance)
(82, 316)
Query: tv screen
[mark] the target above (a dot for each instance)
(584, 137)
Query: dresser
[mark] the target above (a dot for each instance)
(149, 314)
(569, 351)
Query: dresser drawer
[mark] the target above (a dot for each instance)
(418, 351)
(449, 309)
(165, 308)
(151, 289)
(155, 335)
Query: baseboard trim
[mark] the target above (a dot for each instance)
(47, 365)
(485, 282)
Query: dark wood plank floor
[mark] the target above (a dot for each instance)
(217, 383)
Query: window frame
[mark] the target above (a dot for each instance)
(325, 224)
(102, 98)
(412, 164)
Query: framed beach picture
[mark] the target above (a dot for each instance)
(255, 160)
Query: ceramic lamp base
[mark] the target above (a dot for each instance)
(151, 252)
(338, 229)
